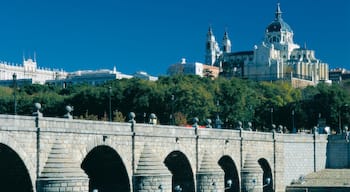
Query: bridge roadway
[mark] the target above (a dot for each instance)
(44, 154)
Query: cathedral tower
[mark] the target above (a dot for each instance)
(226, 43)
(212, 48)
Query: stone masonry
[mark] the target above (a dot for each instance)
(53, 150)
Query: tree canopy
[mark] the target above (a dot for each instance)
(178, 99)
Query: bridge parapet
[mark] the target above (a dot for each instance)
(286, 156)
(15, 122)
(163, 130)
(82, 126)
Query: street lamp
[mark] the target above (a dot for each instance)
(110, 102)
(217, 107)
(271, 111)
(267, 182)
(340, 119)
(228, 185)
(177, 188)
(254, 183)
(172, 110)
(293, 125)
(218, 121)
(14, 77)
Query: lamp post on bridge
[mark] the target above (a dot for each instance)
(340, 118)
(14, 78)
(110, 103)
(271, 111)
(172, 119)
(293, 124)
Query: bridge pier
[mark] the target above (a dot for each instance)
(210, 176)
(61, 172)
(252, 175)
(63, 184)
(151, 174)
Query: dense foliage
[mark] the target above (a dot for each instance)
(177, 99)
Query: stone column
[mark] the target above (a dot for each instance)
(210, 177)
(151, 174)
(252, 175)
(61, 172)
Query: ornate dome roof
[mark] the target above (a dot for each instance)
(278, 24)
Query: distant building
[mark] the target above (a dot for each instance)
(195, 68)
(144, 75)
(90, 77)
(28, 73)
(97, 77)
(276, 58)
(338, 75)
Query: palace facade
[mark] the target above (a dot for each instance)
(28, 72)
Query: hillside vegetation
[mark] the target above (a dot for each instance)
(185, 97)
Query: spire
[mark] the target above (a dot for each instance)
(226, 35)
(226, 43)
(210, 34)
(210, 31)
(34, 59)
(278, 13)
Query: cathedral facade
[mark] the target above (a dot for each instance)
(276, 58)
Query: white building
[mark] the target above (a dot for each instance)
(97, 77)
(91, 77)
(194, 68)
(29, 71)
(144, 75)
(276, 58)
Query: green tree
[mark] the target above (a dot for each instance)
(6, 100)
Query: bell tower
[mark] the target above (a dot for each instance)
(211, 48)
(226, 43)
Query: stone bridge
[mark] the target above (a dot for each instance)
(55, 154)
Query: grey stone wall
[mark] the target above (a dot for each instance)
(19, 133)
(299, 156)
(338, 152)
(304, 153)
(72, 185)
(288, 155)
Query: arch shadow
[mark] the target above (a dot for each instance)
(265, 166)
(231, 173)
(106, 170)
(14, 175)
(181, 171)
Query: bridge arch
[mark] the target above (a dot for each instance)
(181, 170)
(267, 174)
(231, 173)
(9, 145)
(106, 170)
(14, 175)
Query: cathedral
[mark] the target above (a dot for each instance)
(276, 58)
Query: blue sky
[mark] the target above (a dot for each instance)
(150, 35)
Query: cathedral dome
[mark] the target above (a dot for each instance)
(278, 24)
